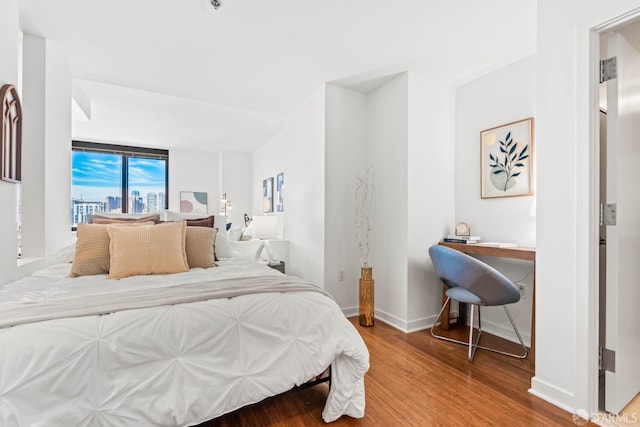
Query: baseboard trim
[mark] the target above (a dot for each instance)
(380, 315)
(351, 311)
(420, 324)
(391, 320)
(403, 325)
(553, 394)
(410, 326)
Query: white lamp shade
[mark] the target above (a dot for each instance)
(265, 226)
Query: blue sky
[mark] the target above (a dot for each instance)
(95, 176)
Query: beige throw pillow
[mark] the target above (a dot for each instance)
(92, 249)
(151, 249)
(199, 247)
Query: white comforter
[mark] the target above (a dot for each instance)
(171, 365)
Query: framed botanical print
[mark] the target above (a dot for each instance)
(506, 160)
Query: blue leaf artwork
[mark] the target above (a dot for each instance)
(504, 171)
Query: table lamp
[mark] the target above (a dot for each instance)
(265, 226)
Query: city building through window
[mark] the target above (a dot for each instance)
(117, 179)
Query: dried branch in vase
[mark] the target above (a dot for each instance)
(364, 198)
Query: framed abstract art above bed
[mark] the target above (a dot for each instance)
(267, 195)
(194, 202)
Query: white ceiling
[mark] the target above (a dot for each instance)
(178, 73)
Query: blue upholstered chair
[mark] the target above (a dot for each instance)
(471, 281)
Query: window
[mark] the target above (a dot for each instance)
(114, 178)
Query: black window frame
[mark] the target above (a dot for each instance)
(127, 152)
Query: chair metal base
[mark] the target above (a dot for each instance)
(473, 346)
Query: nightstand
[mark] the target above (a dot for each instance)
(279, 266)
(279, 250)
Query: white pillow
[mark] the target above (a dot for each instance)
(222, 246)
(246, 249)
(235, 233)
(63, 255)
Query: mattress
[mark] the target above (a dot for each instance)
(174, 364)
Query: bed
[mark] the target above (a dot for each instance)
(169, 349)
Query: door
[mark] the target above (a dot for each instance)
(623, 239)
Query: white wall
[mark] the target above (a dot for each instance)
(395, 129)
(235, 179)
(46, 194)
(46, 144)
(345, 155)
(34, 147)
(430, 204)
(298, 152)
(387, 134)
(58, 149)
(8, 75)
(500, 97)
(194, 171)
(566, 333)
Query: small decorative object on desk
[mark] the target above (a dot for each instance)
(459, 240)
(364, 196)
(463, 229)
(453, 236)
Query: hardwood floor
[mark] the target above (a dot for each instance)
(416, 380)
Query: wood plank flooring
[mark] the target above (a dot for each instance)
(416, 380)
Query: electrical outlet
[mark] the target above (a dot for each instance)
(341, 275)
(521, 289)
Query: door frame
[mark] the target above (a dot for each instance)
(593, 324)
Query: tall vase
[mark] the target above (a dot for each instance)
(366, 297)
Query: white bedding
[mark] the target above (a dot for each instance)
(171, 365)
